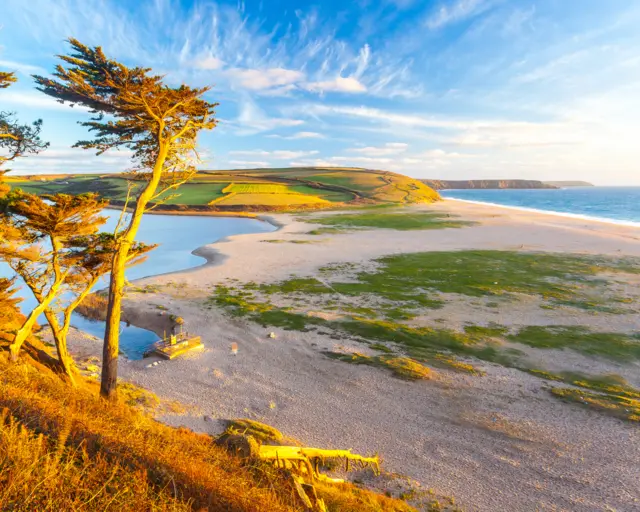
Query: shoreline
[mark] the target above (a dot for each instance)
(578, 216)
(439, 432)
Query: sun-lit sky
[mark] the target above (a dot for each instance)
(450, 89)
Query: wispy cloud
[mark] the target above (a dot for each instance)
(455, 11)
(278, 154)
(390, 148)
(258, 79)
(25, 69)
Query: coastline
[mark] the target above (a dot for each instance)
(570, 215)
(441, 432)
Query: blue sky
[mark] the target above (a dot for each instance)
(450, 89)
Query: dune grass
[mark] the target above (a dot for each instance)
(609, 394)
(403, 221)
(401, 367)
(63, 450)
(376, 306)
(610, 345)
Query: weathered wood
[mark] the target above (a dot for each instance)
(169, 350)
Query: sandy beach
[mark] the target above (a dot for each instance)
(494, 442)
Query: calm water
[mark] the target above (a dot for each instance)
(616, 204)
(177, 237)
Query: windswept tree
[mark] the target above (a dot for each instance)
(132, 109)
(38, 245)
(90, 259)
(10, 316)
(17, 139)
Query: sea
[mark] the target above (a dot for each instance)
(618, 205)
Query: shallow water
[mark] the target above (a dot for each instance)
(177, 236)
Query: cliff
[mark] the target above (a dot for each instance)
(563, 184)
(465, 184)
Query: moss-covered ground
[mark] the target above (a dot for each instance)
(379, 306)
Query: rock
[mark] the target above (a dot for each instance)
(208, 419)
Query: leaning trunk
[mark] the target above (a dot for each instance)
(112, 332)
(60, 338)
(27, 327)
(116, 284)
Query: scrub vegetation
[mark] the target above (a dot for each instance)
(382, 305)
(402, 221)
(75, 451)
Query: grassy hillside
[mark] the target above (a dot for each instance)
(255, 189)
(63, 450)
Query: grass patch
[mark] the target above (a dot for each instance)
(326, 231)
(63, 449)
(615, 346)
(610, 394)
(401, 367)
(281, 241)
(262, 432)
(397, 221)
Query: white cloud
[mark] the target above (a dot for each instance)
(278, 154)
(361, 159)
(458, 10)
(25, 69)
(390, 148)
(34, 99)
(339, 84)
(252, 119)
(249, 163)
(258, 79)
(209, 62)
(307, 135)
(61, 160)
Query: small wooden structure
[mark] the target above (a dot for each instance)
(174, 346)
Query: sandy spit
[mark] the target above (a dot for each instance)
(498, 442)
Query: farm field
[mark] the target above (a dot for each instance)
(257, 189)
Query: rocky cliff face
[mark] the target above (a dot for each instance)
(464, 184)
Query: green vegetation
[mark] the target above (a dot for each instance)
(399, 221)
(255, 189)
(610, 345)
(401, 367)
(610, 394)
(260, 431)
(378, 306)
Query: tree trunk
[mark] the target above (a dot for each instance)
(26, 328)
(116, 283)
(112, 333)
(60, 338)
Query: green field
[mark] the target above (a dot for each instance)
(257, 189)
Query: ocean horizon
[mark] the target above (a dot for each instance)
(616, 205)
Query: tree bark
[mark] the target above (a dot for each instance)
(26, 328)
(110, 348)
(60, 338)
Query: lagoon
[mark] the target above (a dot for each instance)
(177, 237)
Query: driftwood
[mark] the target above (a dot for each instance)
(299, 463)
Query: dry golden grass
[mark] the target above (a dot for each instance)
(64, 450)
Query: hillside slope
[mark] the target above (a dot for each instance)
(70, 450)
(254, 190)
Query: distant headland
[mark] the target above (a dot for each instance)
(500, 184)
